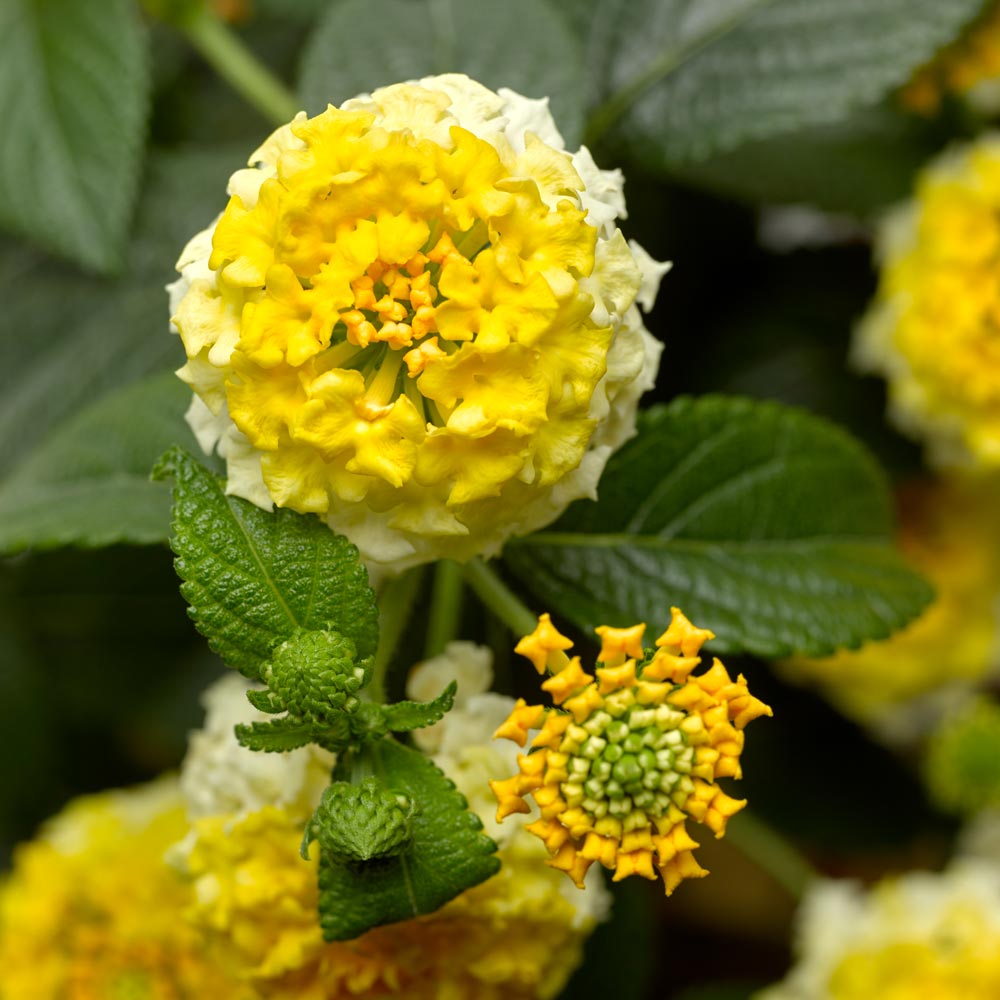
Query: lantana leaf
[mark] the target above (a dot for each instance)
(253, 578)
(403, 716)
(772, 526)
(446, 854)
(706, 75)
(521, 44)
(275, 735)
(74, 86)
(88, 483)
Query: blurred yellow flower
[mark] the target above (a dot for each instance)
(415, 318)
(626, 758)
(124, 898)
(92, 912)
(515, 935)
(932, 330)
(949, 531)
(922, 935)
(969, 66)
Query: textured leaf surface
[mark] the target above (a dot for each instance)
(521, 44)
(252, 577)
(447, 854)
(89, 484)
(722, 72)
(767, 525)
(403, 716)
(275, 735)
(74, 83)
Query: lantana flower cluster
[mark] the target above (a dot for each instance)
(627, 756)
(931, 331)
(194, 887)
(416, 319)
(933, 936)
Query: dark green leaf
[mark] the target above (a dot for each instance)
(275, 735)
(858, 165)
(707, 75)
(63, 349)
(88, 484)
(447, 854)
(765, 524)
(74, 83)
(406, 715)
(521, 44)
(253, 577)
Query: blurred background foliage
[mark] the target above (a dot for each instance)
(734, 110)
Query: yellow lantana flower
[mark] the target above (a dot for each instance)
(932, 330)
(92, 912)
(518, 935)
(416, 319)
(626, 757)
(932, 936)
(949, 531)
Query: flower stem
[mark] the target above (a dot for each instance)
(499, 598)
(395, 606)
(238, 66)
(446, 607)
(771, 852)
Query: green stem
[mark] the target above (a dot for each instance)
(499, 598)
(239, 67)
(446, 607)
(606, 114)
(771, 852)
(395, 606)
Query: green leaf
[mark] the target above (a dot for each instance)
(446, 855)
(690, 77)
(403, 716)
(275, 735)
(74, 86)
(521, 44)
(858, 165)
(75, 338)
(763, 523)
(88, 483)
(253, 577)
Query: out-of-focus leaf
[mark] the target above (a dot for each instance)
(89, 484)
(74, 83)
(703, 76)
(859, 165)
(359, 45)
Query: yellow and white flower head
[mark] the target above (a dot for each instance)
(221, 777)
(932, 936)
(932, 329)
(627, 757)
(416, 319)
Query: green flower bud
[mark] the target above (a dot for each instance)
(361, 822)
